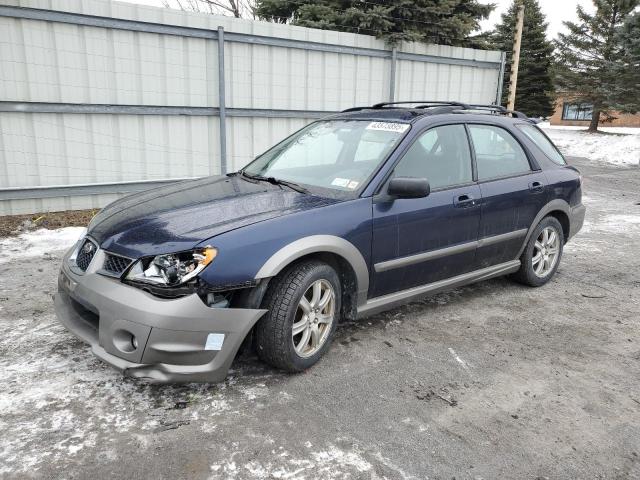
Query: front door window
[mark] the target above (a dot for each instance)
(441, 155)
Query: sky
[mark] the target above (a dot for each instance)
(556, 11)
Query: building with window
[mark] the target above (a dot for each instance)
(575, 112)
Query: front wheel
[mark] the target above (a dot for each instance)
(304, 308)
(541, 256)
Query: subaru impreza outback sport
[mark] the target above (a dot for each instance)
(353, 214)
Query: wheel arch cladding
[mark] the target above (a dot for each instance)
(332, 249)
(557, 208)
(347, 276)
(563, 218)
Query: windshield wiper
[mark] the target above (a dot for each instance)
(275, 181)
(286, 183)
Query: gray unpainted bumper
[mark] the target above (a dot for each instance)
(170, 334)
(576, 219)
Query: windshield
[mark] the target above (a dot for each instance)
(333, 154)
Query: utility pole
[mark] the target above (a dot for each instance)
(517, 41)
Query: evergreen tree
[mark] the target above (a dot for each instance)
(591, 55)
(448, 22)
(625, 92)
(534, 94)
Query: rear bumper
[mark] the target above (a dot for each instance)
(576, 219)
(177, 341)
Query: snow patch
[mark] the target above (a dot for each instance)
(629, 130)
(617, 224)
(622, 149)
(252, 393)
(464, 364)
(220, 406)
(61, 393)
(340, 457)
(38, 242)
(331, 462)
(595, 235)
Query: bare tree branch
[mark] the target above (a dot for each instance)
(236, 8)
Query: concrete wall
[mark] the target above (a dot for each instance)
(100, 98)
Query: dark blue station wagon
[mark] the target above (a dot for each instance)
(351, 215)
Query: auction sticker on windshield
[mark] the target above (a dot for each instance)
(340, 182)
(388, 126)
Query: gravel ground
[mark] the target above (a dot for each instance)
(494, 380)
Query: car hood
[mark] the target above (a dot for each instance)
(181, 215)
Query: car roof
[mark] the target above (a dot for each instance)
(396, 112)
(388, 114)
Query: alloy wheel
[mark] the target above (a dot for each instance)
(546, 251)
(314, 318)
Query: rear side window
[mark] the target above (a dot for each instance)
(498, 153)
(543, 143)
(441, 155)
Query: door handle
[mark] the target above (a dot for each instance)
(464, 201)
(536, 187)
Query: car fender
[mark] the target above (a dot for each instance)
(319, 244)
(553, 205)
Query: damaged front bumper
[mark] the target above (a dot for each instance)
(161, 340)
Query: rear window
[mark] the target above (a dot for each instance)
(498, 154)
(543, 143)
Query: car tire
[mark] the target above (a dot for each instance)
(275, 341)
(542, 255)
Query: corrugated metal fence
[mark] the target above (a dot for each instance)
(101, 98)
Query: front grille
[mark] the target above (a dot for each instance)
(85, 254)
(115, 264)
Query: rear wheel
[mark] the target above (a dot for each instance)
(304, 307)
(542, 255)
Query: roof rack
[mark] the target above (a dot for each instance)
(354, 109)
(445, 107)
(498, 109)
(479, 106)
(421, 104)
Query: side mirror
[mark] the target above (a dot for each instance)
(408, 187)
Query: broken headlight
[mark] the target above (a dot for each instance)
(172, 269)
